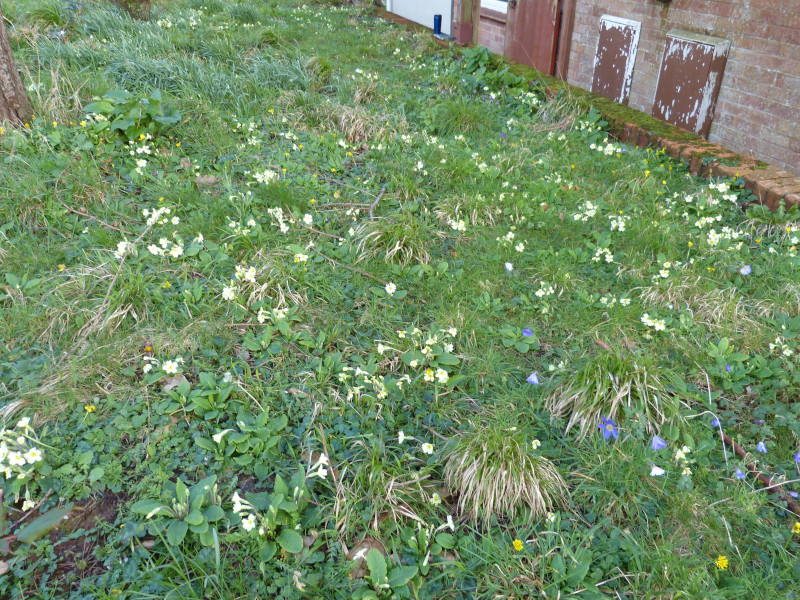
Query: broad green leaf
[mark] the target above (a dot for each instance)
(268, 550)
(118, 95)
(213, 513)
(176, 532)
(446, 540)
(280, 486)
(577, 573)
(150, 507)
(194, 518)
(181, 491)
(447, 359)
(41, 525)
(200, 529)
(100, 107)
(209, 538)
(290, 540)
(377, 566)
(400, 576)
(206, 444)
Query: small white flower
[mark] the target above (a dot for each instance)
(24, 422)
(656, 471)
(228, 292)
(33, 455)
(509, 267)
(249, 523)
(308, 219)
(436, 500)
(147, 368)
(536, 444)
(390, 288)
(401, 437)
(16, 459)
(218, 436)
(28, 504)
(686, 471)
(551, 517)
(427, 448)
(170, 366)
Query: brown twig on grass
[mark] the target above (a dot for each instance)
(301, 224)
(88, 216)
(353, 269)
(767, 481)
(374, 204)
(352, 187)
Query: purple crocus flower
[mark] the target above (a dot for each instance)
(609, 428)
(745, 270)
(658, 443)
(533, 378)
(761, 447)
(739, 474)
(527, 332)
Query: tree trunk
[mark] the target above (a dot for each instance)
(15, 106)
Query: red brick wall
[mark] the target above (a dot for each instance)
(492, 30)
(758, 109)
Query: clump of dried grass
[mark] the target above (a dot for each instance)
(606, 384)
(309, 110)
(719, 309)
(496, 474)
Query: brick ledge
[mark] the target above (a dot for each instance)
(769, 184)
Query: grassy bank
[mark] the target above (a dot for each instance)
(301, 305)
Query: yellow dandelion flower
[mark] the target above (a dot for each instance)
(796, 528)
(722, 562)
(518, 545)
(90, 408)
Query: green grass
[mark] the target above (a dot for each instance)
(377, 284)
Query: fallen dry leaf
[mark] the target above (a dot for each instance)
(205, 180)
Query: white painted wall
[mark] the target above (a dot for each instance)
(422, 11)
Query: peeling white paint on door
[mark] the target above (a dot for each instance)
(620, 59)
(689, 79)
